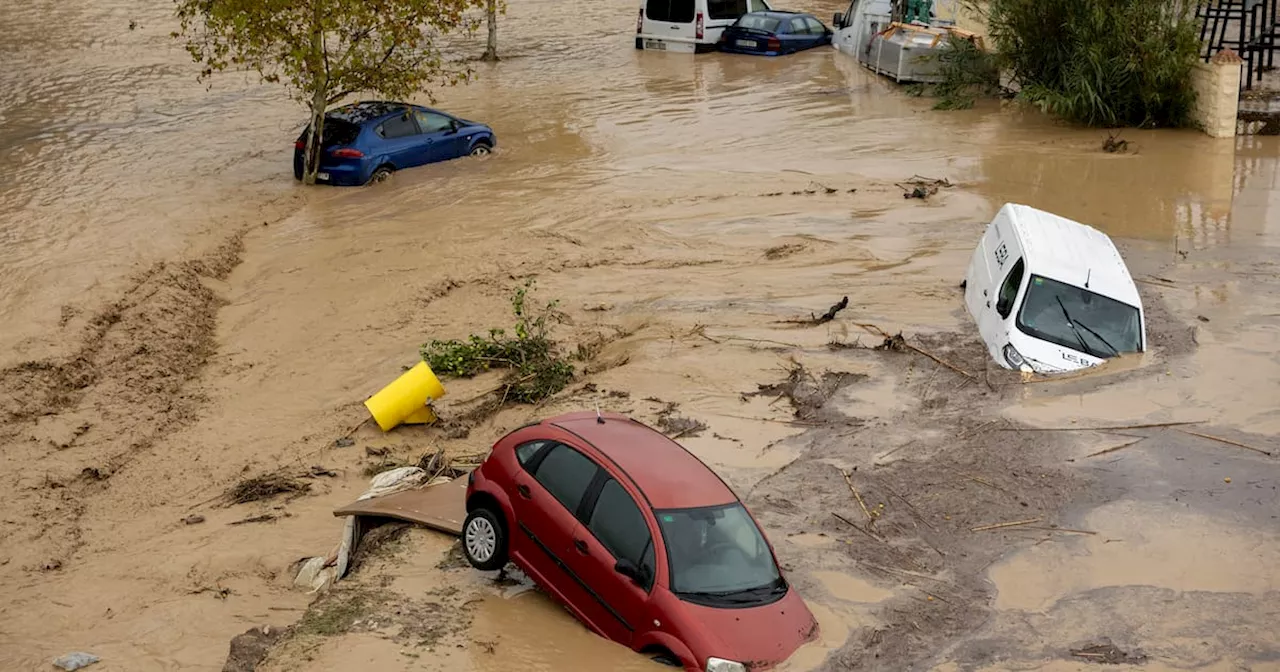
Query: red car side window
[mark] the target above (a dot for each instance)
(566, 474)
(621, 528)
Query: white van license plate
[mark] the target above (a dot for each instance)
(655, 44)
(750, 44)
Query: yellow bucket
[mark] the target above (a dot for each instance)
(405, 399)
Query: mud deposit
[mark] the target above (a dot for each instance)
(187, 337)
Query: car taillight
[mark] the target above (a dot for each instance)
(348, 153)
(640, 22)
(774, 43)
(300, 145)
(698, 25)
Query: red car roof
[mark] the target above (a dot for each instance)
(668, 474)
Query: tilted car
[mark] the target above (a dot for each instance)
(639, 539)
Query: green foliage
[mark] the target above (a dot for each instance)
(325, 50)
(1100, 62)
(537, 370)
(968, 73)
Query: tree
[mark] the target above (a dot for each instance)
(325, 50)
(492, 9)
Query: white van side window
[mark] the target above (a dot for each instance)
(1009, 290)
(673, 11)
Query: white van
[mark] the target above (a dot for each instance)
(1051, 295)
(689, 25)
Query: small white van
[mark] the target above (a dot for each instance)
(1051, 295)
(689, 26)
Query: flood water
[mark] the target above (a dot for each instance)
(659, 168)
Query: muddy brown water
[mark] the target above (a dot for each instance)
(659, 196)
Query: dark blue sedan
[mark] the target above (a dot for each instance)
(774, 33)
(370, 140)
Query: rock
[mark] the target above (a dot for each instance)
(248, 649)
(345, 442)
(193, 519)
(75, 661)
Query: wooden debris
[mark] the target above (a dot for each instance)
(849, 482)
(1115, 448)
(857, 527)
(1062, 529)
(1229, 442)
(997, 526)
(1099, 429)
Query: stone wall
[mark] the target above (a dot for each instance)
(1217, 85)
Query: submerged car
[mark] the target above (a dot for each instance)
(1050, 294)
(639, 539)
(774, 33)
(368, 141)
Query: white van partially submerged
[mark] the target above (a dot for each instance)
(1051, 295)
(689, 26)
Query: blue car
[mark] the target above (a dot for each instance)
(774, 33)
(368, 141)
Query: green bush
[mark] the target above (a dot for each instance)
(1100, 62)
(536, 368)
(967, 74)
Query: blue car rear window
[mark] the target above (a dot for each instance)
(336, 132)
(754, 22)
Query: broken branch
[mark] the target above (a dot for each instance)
(997, 526)
(874, 330)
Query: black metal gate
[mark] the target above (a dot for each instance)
(1249, 27)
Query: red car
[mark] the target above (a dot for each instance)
(639, 539)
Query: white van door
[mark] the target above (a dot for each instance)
(669, 24)
(861, 20)
(996, 274)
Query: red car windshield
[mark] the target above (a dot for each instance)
(718, 555)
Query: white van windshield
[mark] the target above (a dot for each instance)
(1079, 319)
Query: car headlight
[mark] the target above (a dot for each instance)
(721, 665)
(1013, 357)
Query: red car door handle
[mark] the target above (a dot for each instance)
(580, 545)
(524, 491)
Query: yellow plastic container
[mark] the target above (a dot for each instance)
(405, 399)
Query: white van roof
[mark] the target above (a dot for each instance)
(1071, 252)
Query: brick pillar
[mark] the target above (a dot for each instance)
(1217, 85)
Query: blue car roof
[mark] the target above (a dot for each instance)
(367, 111)
(777, 14)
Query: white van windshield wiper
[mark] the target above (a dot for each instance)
(1073, 324)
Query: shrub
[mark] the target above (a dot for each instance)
(536, 368)
(1100, 62)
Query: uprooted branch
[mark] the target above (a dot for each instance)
(898, 342)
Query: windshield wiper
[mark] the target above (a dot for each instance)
(1100, 338)
(1073, 324)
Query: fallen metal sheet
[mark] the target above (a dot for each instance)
(439, 507)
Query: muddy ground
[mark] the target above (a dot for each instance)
(161, 347)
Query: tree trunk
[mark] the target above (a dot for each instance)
(319, 100)
(491, 50)
(315, 138)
